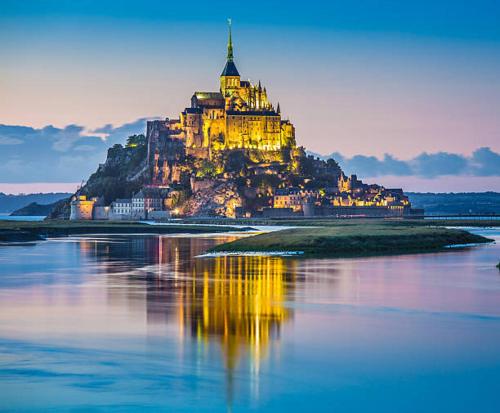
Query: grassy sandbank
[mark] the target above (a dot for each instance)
(355, 239)
(326, 221)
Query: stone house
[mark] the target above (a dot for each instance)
(146, 200)
(121, 207)
(288, 198)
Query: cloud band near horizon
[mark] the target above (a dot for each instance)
(70, 154)
(482, 162)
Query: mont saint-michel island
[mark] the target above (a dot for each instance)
(295, 210)
(231, 153)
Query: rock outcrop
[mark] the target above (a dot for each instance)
(123, 173)
(220, 199)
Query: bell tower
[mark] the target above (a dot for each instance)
(229, 78)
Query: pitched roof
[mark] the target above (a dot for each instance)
(230, 69)
(208, 95)
(252, 113)
(287, 191)
(148, 192)
(193, 110)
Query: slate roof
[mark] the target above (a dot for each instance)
(193, 110)
(287, 191)
(253, 113)
(148, 193)
(230, 69)
(208, 95)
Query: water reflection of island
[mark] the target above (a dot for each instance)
(237, 302)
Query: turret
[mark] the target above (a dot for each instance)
(265, 102)
(229, 78)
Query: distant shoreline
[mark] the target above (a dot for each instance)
(30, 218)
(305, 238)
(14, 231)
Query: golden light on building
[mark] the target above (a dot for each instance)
(237, 116)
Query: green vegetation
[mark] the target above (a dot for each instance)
(333, 238)
(327, 222)
(483, 223)
(123, 174)
(206, 169)
(16, 235)
(355, 239)
(135, 141)
(19, 231)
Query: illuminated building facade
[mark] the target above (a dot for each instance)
(238, 116)
(81, 208)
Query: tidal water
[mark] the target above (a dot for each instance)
(137, 323)
(7, 217)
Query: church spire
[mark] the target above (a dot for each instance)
(230, 68)
(229, 43)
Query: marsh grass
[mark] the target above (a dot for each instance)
(18, 231)
(355, 240)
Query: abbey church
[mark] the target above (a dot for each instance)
(238, 116)
(229, 154)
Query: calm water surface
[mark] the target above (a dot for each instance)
(7, 217)
(136, 323)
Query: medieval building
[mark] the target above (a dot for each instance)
(238, 116)
(230, 154)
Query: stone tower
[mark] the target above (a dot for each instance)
(230, 77)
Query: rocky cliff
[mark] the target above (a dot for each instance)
(123, 173)
(221, 199)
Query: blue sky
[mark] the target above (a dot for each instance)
(451, 19)
(356, 77)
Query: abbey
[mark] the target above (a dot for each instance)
(238, 116)
(229, 154)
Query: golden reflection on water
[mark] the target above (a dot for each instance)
(240, 303)
(237, 302)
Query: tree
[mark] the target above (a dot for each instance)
(206, 169)
(218, 142)
(134, 141)
(236, 161)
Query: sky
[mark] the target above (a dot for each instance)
(402, 93)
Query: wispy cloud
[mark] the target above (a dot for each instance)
(72, 153)
(4, 140)
(52, 154)
(482, 162)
